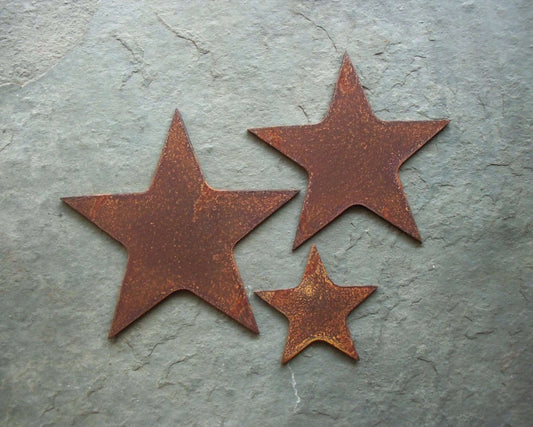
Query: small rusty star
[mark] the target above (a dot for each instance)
(180, 234)
(317, 309)
(352, 158)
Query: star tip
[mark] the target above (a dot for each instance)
(415, 234)
(372, 289)
(298, 241)
(262, 295)
(293, 193)
(115, 330)
(313, 253)
(176, 117)
(67, 200)
(346, 61)
(351, 352)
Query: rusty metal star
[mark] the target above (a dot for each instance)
(352, 158)
(317, 309)
(180, 234)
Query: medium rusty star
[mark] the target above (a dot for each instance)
(317, 309)
(352, 158)
(180, 234)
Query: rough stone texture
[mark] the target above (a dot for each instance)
(37, 34)
(87, 97)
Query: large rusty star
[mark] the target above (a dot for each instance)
(317, 309)
(352, 158)
(180, 234)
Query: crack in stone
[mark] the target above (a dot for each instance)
(402, 83)
(473, 336)
(325, 414)
(98, 385)
(52, 405)
(294, 389)
(321, 27)
(199, 49)
(136, 57)
(8, 144)
(163, 382)
(138, 63)
(498, 164)
(305, 113)
(430, 362)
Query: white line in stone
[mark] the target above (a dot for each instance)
(293, 382)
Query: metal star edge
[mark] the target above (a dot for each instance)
(180, 234)
(317, 309)
(352, 158)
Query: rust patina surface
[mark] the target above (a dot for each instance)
(180, 234)
(317, 309)
(352, 158)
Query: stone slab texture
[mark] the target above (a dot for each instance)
(87, 92)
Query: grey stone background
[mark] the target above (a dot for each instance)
(87, 92)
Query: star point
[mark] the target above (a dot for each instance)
(180, 234)
(352, 158)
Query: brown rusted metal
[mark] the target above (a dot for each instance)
(180, 234)
(352, 158)
(317, 309)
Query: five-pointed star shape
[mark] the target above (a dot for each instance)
(180, 234)
(352, 158)
(317, 309)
